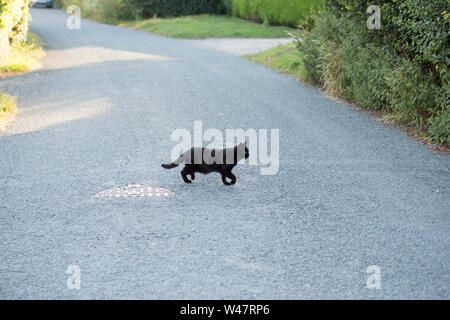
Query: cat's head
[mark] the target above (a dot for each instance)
(242, 151)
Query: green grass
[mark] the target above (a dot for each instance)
(207, 26)
(277, 12)
(7, 109)
(20, 59)
(7, 103)
(23, 57)
(285, 58)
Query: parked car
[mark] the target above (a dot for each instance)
(45, 3)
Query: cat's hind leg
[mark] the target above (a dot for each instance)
(232, 177)
(228, 174)
(186, 171)
(224, 179)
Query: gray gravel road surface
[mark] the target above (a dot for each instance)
(350, 193)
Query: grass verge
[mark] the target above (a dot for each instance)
(22, 58)
(285, 58)
(207, 26)
(7, 109)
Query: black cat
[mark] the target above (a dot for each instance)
(210, 160)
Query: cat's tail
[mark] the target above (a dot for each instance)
(174, 164)
(169, 165)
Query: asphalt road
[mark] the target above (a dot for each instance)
(351, 192)
(239, 47)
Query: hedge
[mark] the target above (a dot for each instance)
(13, 24)
(277, 12)
(173, 8)
(401, 68)
(112, 10)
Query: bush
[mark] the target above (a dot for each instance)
(401, 68)
(22, 57)
(7, 104)
(228, 5)
(13, 24)
(114, 10)
(276, 12)
(416, 29)
(7, 109)
(109, 11)
(174, 8)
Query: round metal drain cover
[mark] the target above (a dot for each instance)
(135, 190)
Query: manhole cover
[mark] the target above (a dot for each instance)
(135, 190)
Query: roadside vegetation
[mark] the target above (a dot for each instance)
(13, 32)
(400, 70)
(7, 109)
(22, 57)
(277, 12)
(285, 58)
(19, 50)
(195, 19)
(207, 26)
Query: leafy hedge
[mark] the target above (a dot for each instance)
(277, 12)
(173, 8)
(109, 11)
(13, 24)
(112, 10)
(401, 68)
